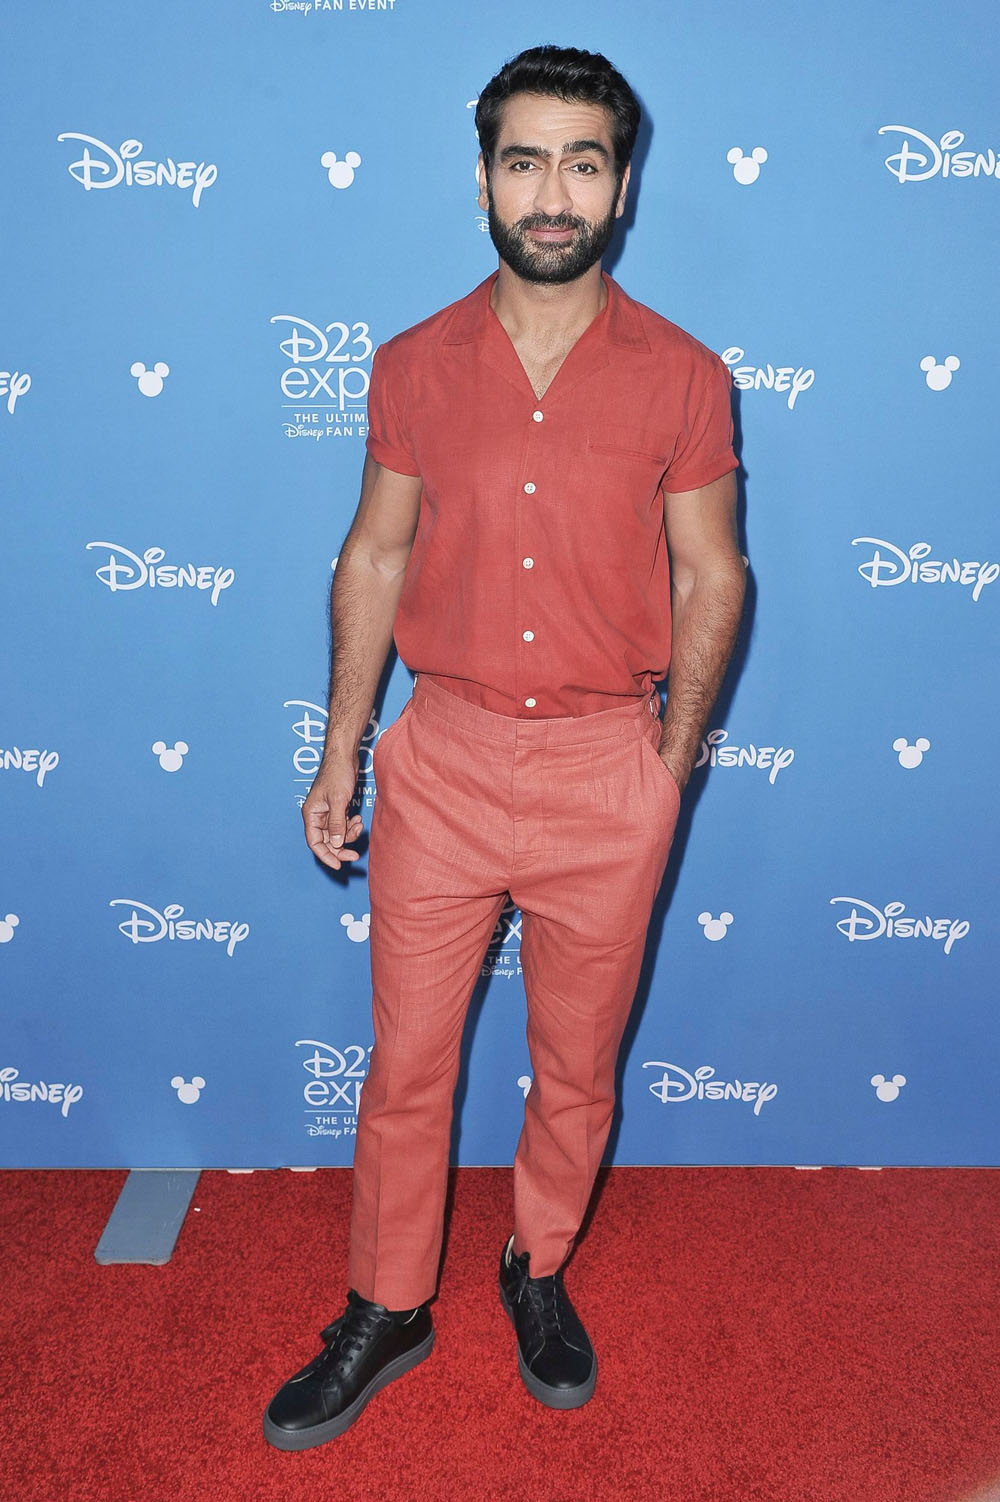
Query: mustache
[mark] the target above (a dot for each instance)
(536, 222)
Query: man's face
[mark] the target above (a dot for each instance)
(551, 194)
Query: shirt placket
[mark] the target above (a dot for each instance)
(532, 564)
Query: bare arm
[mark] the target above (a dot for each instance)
(364, 595)
(363, 599)
(707, 588)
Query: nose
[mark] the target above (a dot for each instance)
(552, 196)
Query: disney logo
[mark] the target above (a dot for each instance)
(676, 1085)
(915, 165)
(60, 1095)
(773, 758)
(137, 571)
(120, 166)
(152, 927)
(892, 922)
(14, 384)
(914, 565)
(753, 377)
(33, 760)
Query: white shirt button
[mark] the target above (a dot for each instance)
(529, 489)
(529, 703)
(538, 416)
(528, 635)
(527, 562)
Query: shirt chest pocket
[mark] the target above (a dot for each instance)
(618, 509)
(627, 443)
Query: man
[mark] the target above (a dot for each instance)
(533, 449)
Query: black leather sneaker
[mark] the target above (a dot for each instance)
(554, 1354)
(366, 1349)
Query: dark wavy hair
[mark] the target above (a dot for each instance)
(564, 73)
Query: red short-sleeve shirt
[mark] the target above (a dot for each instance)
(538, 582)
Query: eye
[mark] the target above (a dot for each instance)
(587, 168)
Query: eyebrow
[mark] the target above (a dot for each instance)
(569, 148)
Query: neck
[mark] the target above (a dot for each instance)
(547, 308)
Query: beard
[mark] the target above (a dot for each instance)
(536, 262)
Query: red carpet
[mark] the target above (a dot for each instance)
(761, 1334)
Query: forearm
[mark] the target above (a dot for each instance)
(363, 602)
(705, 623)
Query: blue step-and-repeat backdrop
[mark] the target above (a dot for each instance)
(213, 214)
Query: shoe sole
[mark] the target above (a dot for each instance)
(318, 1434)
(552, 1397)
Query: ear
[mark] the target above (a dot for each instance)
(620, 207)
(482, 200)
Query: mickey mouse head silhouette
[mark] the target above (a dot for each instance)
(150, 381)
(715, 928)
(357, 928)
(746, 169)
(341, 174)
(939, 376)
(888, 1089)
(911, 756)
(170, 760)
(188, 1091)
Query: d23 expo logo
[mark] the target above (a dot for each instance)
(332, 1092)
(310, 734)
(503, 953)
(330, 7)
(324, 388)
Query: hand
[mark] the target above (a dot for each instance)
(327, 828)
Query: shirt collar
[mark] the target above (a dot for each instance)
(618, 322)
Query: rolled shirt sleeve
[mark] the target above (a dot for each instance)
(388, 440)
(705, 450)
